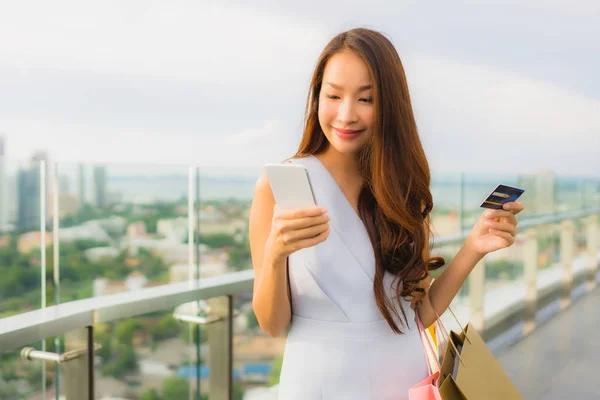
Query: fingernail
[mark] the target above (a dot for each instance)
(488, 223)
(323, 210)
(506, 206)
(489, 214)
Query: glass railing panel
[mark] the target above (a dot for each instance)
(504, 284)
(146, 357)
(122, 227)
(448, 193)
(21, 236)
(225, 199)
(549, 267)
(24, 379)
(257, 357)
(569, 193)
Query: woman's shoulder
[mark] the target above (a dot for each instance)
(297, 159)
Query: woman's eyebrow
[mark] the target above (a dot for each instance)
(338, 87)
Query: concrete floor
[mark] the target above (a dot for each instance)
(561, 358)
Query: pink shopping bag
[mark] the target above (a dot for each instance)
(426, 389)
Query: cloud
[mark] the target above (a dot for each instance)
(71, 143)
(473, 116)
(184, 40)
(500, 102)
(250, 136)
(213, 84)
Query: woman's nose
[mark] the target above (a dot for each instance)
(347, 112)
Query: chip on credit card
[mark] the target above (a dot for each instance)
(502, 194)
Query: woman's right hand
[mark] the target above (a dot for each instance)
(292, 230)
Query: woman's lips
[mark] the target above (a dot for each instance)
(347, 133)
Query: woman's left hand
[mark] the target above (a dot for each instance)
(495, 229)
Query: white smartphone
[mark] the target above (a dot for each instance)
(291, 186)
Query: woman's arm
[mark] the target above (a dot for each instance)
(443, 290)
(494, 230)
(271, 298)
(274, 235)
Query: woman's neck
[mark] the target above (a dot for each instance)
(342, 166)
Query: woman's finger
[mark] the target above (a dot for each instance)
(313, 241)
(515, 207)
(504, 235)
(306, 233)
(502, 226)
(302, 223)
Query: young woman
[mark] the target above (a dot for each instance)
(346, 276)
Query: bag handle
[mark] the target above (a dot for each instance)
(444, 331)
(462, 329)
(426, 343)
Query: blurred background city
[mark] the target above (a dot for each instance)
(132, 134)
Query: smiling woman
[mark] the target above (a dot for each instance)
(347, 277)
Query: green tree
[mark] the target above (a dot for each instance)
(239, 257)
(151, 394)
(238, 390)
(126, 362)
(275, 371)
(203, 334)
(215, 241)
(252, 320)
(125, 330)
(176, 388)
(166, 327)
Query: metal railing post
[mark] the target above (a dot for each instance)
(567, 241)
(530, 278)
(476, 294)
(220, 340)
(592, 250)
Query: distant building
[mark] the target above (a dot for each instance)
(211, 265)
(32, 241)
(173, 228)
(224, 226)
(68, 204)
(28, 199)
(64, 184)
(135, 281)
(4, 241)
(90, 230)
(3, 186)
(136, 229)
(81, 184)
(100, 183)
(100, 253)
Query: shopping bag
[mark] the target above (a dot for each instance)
(426, 389)
(469, 370)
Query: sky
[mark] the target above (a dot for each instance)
(497, 86)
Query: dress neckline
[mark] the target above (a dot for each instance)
(338, 188)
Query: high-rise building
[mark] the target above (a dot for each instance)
(100, 186)
(28, 197)
(81, 184)
(3, 186)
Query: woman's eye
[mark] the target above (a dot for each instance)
(333, 97)
(367, 100)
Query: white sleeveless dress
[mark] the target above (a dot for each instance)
(339, 345)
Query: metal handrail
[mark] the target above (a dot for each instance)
(525, 224)
(32, 326)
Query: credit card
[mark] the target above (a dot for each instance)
(502, 194)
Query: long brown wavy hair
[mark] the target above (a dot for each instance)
(395, 200)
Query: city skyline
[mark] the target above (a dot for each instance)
(157, 88)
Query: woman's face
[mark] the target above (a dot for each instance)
(346, 110)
